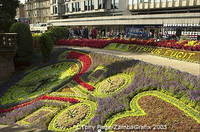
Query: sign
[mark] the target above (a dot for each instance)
(181, 25)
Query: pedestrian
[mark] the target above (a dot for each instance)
(85, 33)
(94, 33)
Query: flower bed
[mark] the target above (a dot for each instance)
(71, 100)
(98, 43)
(118, 81)
(191, 56)
(112, 85)
(97, 74)
(136, 110)
(74, 117)
(86, 61)
(39, 82)
(39, 118)
(84, 43)
(11, 117)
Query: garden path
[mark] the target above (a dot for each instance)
(189, 67)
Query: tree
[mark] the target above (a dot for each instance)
(7, 14)
(24, 44)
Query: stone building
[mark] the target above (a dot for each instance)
(20, 11)
(38, 11)
(88, 8)
(130, 16)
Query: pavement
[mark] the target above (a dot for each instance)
(189, 67)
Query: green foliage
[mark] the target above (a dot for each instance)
(80, 97)
(24, 44)
(47, 43)
(59, 33)
(7, 14)
(36, 36)
(63, 55)
(39, 82)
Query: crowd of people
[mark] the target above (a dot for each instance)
(94, 33)
(84, 32)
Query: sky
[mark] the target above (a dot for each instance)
(22, 1)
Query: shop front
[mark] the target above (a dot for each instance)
(186, 31)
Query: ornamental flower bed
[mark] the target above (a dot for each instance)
(86, 62)
(116, 98)
(74, 117)
(65, 99)
(39, 82)
(84, 43)
(183, 55)
(99, 43)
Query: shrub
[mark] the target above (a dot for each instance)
(36, 40)
(24, 44)
(59, 33)
(46, 45)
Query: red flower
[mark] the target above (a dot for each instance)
(99, 43)
(65, 99)
(86, 63)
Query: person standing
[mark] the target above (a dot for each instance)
(85, 33)
(94, 33)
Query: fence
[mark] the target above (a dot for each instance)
(8, 45)
(8, 41)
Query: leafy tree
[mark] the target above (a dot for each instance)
(24, 44)
(47, 43)
(7, 13)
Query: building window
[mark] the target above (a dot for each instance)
(92, 5)
(76, 7)
(79, 8)
(66, 8)
(86, 5)
(73, 9)
(55, 10)
(89, 5)
(53, 1)
(99, 2)
(115, 4)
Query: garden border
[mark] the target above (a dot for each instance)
(136, 110)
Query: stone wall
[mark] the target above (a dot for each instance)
(8, 43)
(6, 65)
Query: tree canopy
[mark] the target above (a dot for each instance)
(7, 13)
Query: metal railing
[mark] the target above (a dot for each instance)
(8, 41)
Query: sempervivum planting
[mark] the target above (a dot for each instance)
(89, 91)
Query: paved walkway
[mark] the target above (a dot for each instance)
(192, 68)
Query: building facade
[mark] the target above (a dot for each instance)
(130, 16)
(20, 12)
(88, 8)
(38, 11)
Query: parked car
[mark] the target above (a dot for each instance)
(39, 28)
